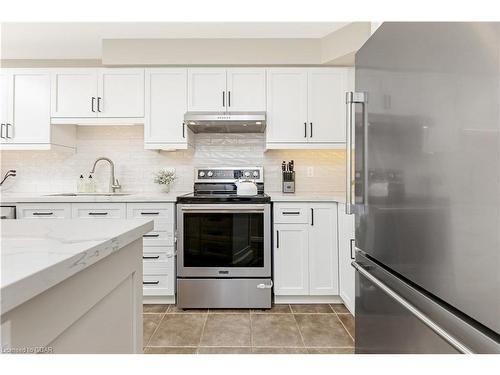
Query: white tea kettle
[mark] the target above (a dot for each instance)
(246, 187)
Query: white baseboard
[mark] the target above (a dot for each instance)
(307, 299)
(152, 300)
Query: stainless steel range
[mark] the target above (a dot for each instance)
(224, 242)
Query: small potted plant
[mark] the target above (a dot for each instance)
(165, 177)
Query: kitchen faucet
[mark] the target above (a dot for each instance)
(113, 182)
(10, 173)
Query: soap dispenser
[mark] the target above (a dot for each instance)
(90, 184)
(80, 186)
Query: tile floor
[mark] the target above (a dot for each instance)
(284, 329)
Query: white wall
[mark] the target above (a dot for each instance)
(48, 171)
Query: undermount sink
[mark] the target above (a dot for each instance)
(87, 194)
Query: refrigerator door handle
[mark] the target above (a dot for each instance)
(351, 99)
(412, 309)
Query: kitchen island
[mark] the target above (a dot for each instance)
(72, 286)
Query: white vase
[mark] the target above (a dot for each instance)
(165, 188)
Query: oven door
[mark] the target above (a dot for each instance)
(223, 240)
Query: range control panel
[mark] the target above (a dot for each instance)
(227, 174)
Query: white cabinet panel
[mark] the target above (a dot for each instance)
(166, 104)
(291, 268)
(346, 256)
(120, 92)
(291, 213)
(161, 213)
(323, 257)
(326, 105)
(246, 89)
(74, 93)
(43, 211)
(98, 210)
(207, 89)
(286, 105)
(30, 120)
(5, 105)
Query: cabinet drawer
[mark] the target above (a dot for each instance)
(162, 214)
(44, 211)
(158, 238)
(98, 210)
(291, 213)
(158, 284)
(158, 260)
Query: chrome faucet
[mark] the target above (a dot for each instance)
(113, 182)
(10, 173)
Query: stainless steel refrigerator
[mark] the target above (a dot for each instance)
(424, 184)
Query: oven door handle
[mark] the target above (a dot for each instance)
(223, 210)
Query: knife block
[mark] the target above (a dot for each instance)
(288, 183)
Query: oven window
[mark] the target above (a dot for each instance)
(223, 239)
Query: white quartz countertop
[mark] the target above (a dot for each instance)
(38, 254)
(307, 197)
(11, 198)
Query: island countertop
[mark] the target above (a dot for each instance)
(38, 254)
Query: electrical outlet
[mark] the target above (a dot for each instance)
(310, 171)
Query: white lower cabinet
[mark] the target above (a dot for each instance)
(43, 211)
(346, 256)
(305, 249)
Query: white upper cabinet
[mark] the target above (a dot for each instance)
(246, 89)
(286, 105)
(207, 89)
(74, 93)
(326, 90)
(98, 93)
(306, 107)
(323, 262)
(120, 92)
(166, 104)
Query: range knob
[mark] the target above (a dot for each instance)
(210, 173)
(201, 174)
(247, 174)
(255, 174)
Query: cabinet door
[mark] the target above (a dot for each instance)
(291, 268)
(246, 89)
(323, 250)
(72, 93)
(207, 89)
(5, 95)
(30, 110)
(287, 105)
(326, 104)
(43, 211)
(346, 256)
(121, 92)
(166, 104)
(98, 211)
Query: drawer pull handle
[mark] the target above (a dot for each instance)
(151, 257)
(150, 235)
(43, 213)
(98, 213)
(151, 282)
(150, 213)
(291, 213)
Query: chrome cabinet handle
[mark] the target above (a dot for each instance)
(1, 131)
(43, 213)
(351, 244)
(98, 213)
(413, 310)
(305, 129)
(151, 257)
(99, 104)
(7, 130)
(151, 282)
(93, 104)
(311, 132)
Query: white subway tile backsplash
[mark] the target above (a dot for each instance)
(49, 171)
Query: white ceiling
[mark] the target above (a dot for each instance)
(83, 40)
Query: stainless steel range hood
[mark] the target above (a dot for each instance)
(226, 122)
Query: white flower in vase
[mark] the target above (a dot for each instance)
(165, 177)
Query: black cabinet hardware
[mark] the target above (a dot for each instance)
(150, 235)
(99, 104)
(277, 239)
(43, 213)
(305, 129)
(312, 216)
(98, 213)
(93, 103)
(150, 213)
(291, 213)
(151, 282)
(311, 132)
(151, 257)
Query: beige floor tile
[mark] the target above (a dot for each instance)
(322, 330)
(339, 308)
(312, 309)
(149, 324)
(227, 330)
(228, 311)
(157, 309)
(224, 350)
(179, 330)
(348, 321)
(330, 350)
(278, 350)
(275, 330)
(173, 309)
(170, 350)
(275, 309)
